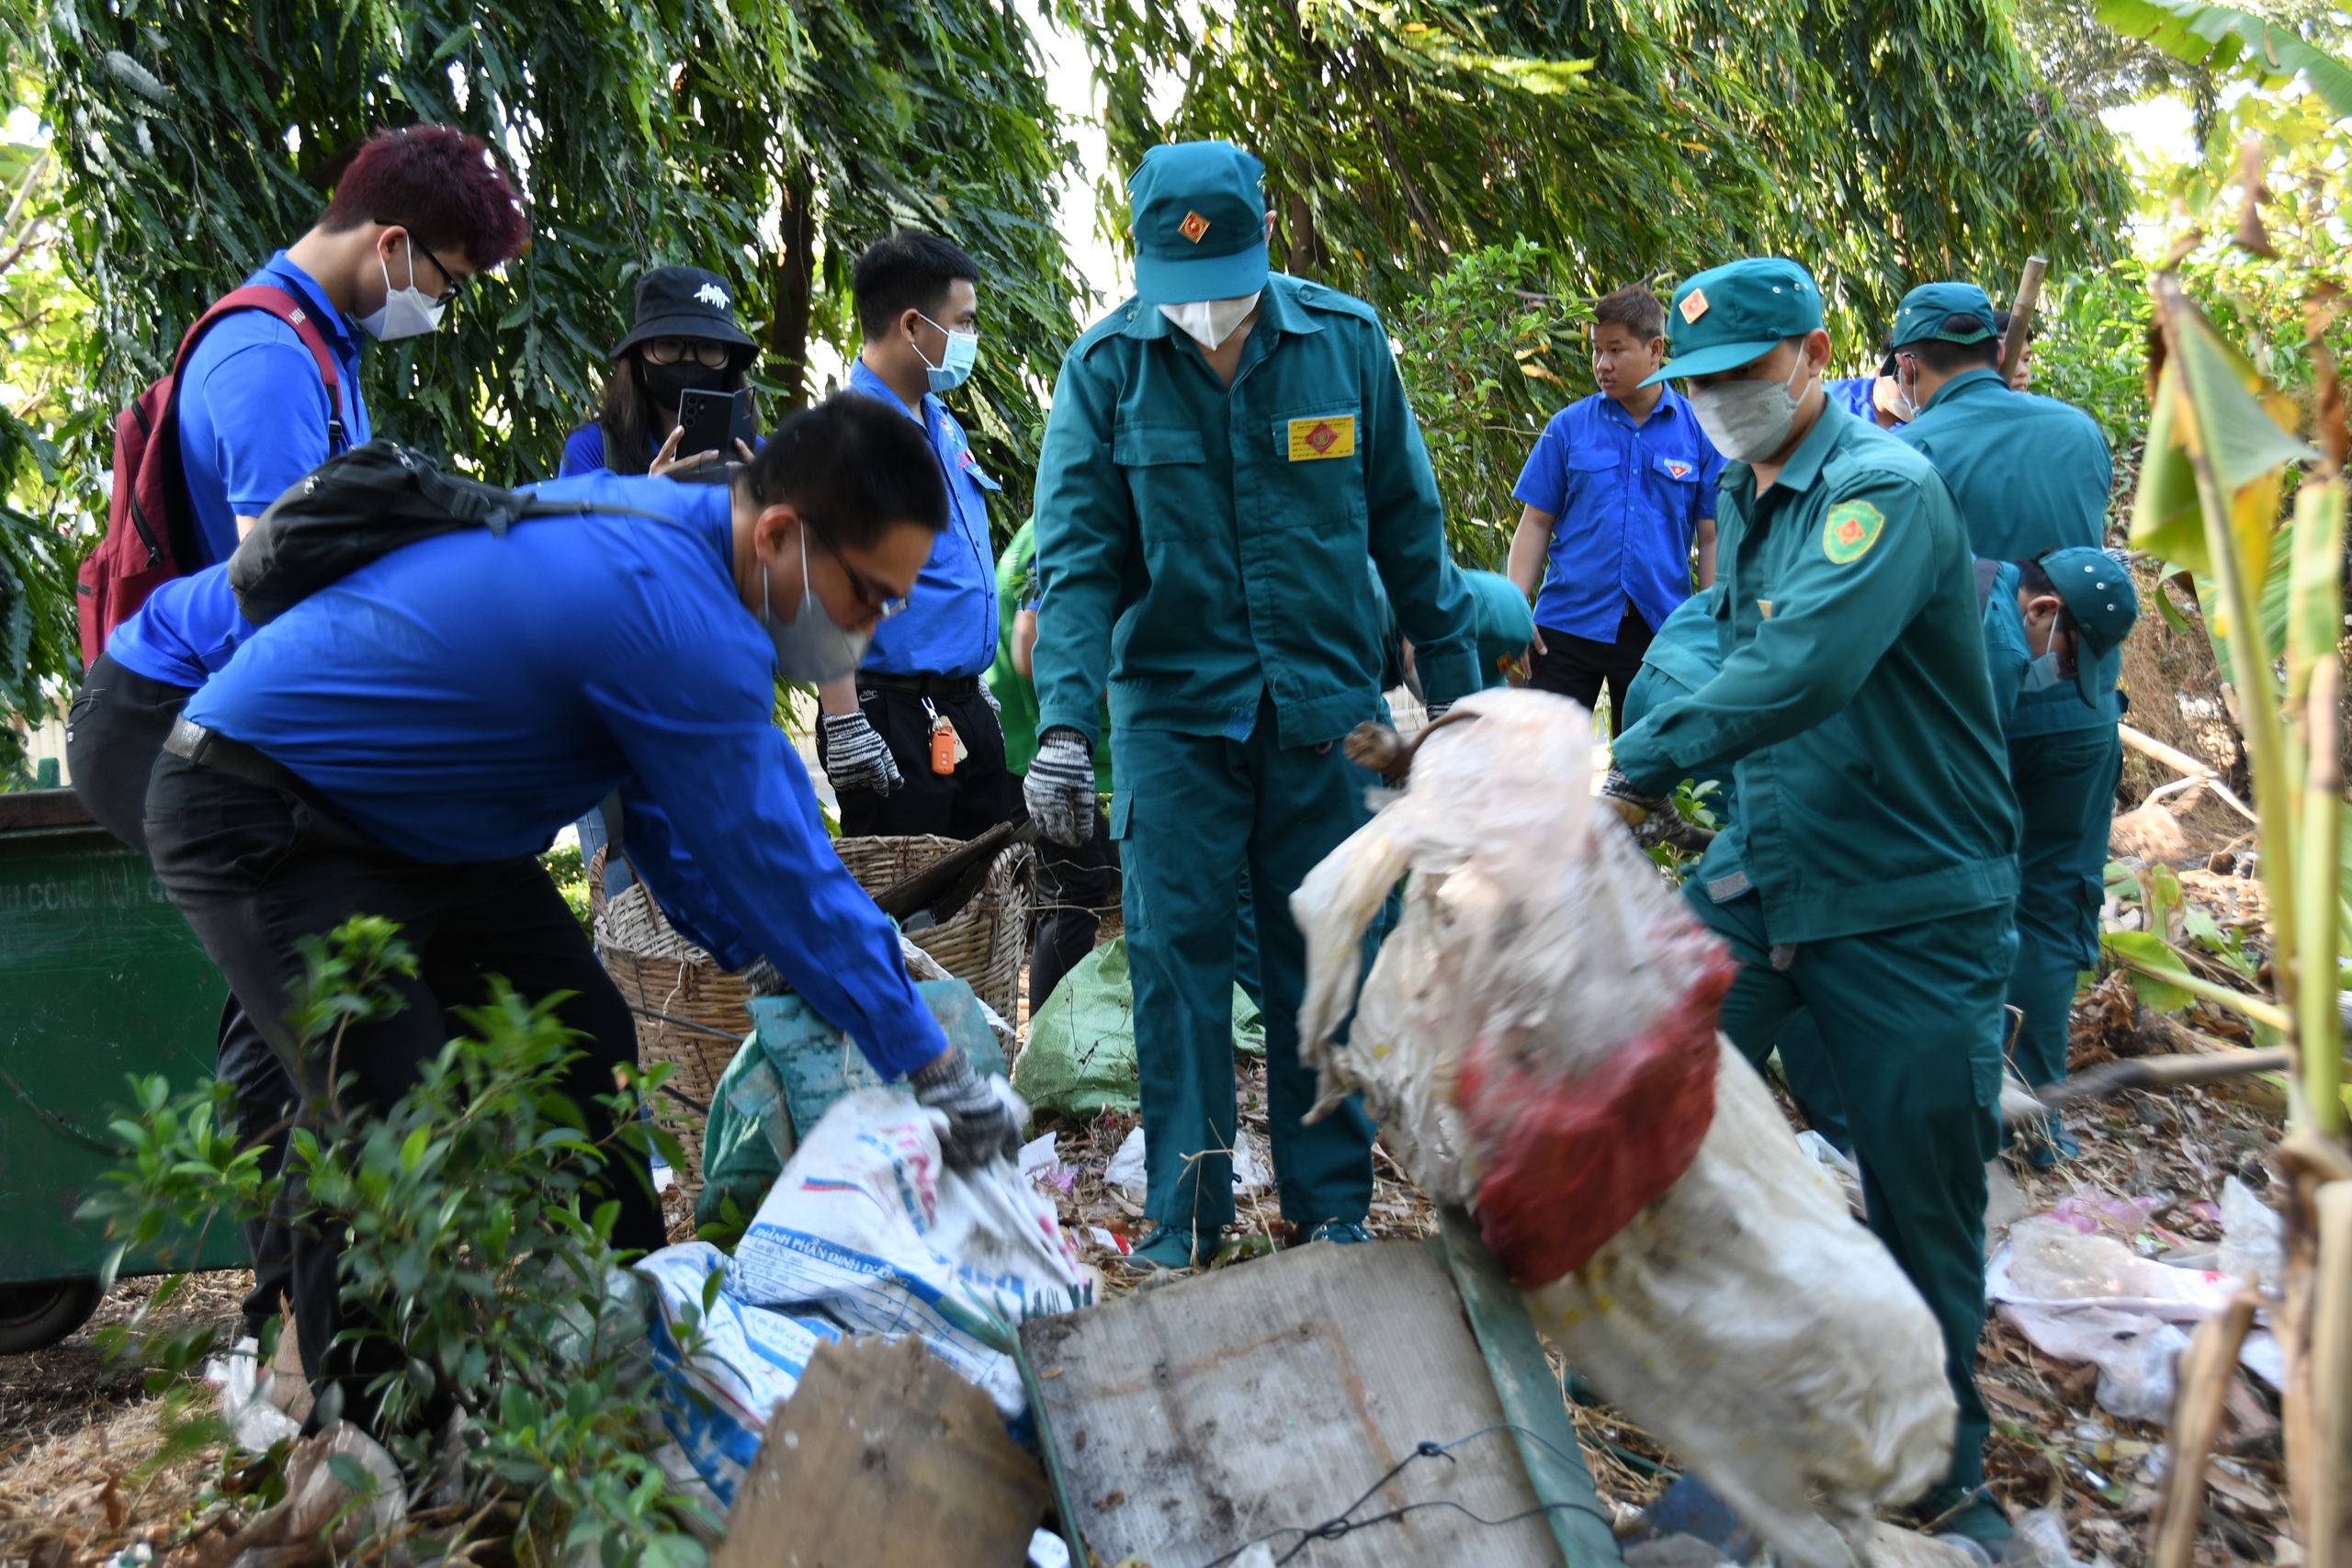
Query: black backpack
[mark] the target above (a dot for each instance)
(363, 505)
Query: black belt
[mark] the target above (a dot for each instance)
(211, 749)
(920, 685)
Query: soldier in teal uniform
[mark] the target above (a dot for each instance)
(2031, 475)
(1869, 875)
(1225, 451)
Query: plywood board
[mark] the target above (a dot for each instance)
(884, 1457)
(1262, 1400)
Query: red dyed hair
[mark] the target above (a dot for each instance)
(437, 182)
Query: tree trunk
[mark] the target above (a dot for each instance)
(795, 284)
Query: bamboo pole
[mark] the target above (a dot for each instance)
(2021, 308)
(2206, 1368)
(2255, 1008)
(2318, 1026)
(2326, 1531)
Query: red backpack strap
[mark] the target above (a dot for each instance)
(283, 305)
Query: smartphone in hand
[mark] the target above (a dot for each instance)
(714, 421)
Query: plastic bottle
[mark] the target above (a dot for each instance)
(2040, 1542)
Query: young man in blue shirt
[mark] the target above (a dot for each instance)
(421, 209)
(918, 305)
(403, 742)
(1619, 490)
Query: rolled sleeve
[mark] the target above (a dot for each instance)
(269, 421)
(1544, 481)
(1829, 626)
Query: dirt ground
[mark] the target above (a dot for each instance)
(76, 1435)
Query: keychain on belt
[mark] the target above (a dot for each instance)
(947, 747)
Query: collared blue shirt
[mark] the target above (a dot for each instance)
(464, 697)
(185, 631)
(1858, 394)
(949, 624)
(253, 409)
(1628, 502)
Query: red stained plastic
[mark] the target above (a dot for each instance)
(1579, 1157)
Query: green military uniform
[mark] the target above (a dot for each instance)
(2033, 474)
(1869, 874)
(1202, 550)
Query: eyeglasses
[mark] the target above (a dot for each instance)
(883, 603)
(452, 279)
(706, 352)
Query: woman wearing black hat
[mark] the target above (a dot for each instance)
(684, 339)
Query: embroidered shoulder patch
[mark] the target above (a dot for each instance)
(1853, 526)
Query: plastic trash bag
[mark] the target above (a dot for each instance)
(1750, 1324)
(1539, 1031)
(2254, 1237)
(1081, 1058)
(1538, 1040)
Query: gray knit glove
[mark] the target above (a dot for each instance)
(980, 1125)
(1060, 788)
(855, 757)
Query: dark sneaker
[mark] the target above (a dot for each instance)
(1168, 1247)
(1340, 1235)
(1972, 1515)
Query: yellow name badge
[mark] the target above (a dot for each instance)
(1331, 435)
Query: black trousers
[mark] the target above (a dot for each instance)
(113, 735)
(1075, 887)
(961, 804)
(257, 869)
(1576, 666)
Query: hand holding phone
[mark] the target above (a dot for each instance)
(713, 422)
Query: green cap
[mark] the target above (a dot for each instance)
(1198, 214)
(1926, 308)
(2099, 594)
(1731, 315)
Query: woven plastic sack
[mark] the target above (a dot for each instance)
(1081, 1058)
(1540, 1030)
(868, 1226)
(1537, 1040)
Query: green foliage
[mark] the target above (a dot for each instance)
(570, 879)
(479, 1262)
(768, 142)
(1883, 145)
(1487, 360)
(2221, 38)
(39, 641)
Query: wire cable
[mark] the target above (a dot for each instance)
(1342, 1523)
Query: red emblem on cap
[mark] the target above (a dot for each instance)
(1193, 227)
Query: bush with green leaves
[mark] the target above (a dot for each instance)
(516, 1393)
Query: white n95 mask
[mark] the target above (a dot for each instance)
(405, 312)
(1210, 322)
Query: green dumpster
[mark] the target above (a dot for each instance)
(99, 979)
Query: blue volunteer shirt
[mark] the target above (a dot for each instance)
(583, 452)
(1858, 395)
(1628, 502)
(463, 698)
(252, 409)
(186, 631)
(949, 624)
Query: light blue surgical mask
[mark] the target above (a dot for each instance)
(955, 367)
(2043, 674)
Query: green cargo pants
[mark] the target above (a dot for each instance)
(1190, 814)
(2066, 786)
(1910, 1020)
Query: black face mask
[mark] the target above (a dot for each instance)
(663, 383)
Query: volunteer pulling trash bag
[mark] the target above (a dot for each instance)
(1537, 1040)
(865, 1232)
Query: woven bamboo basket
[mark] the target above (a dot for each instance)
(986, 942)
(690, 1012)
